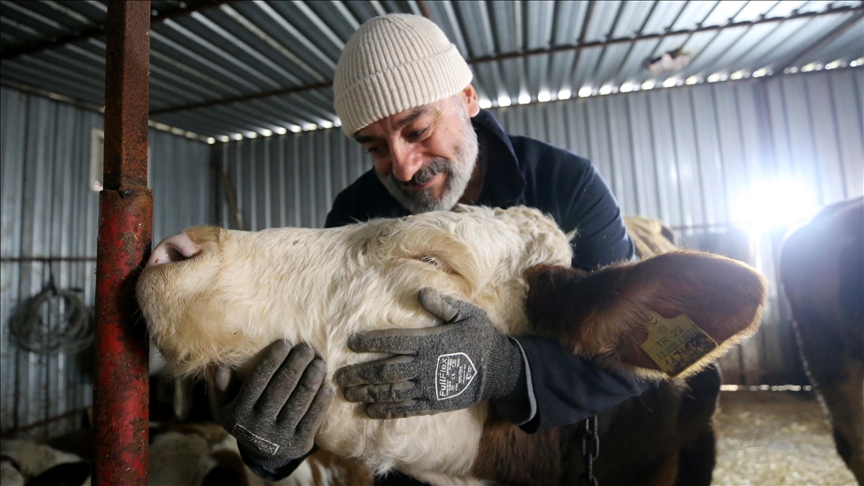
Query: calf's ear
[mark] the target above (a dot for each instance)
(666, 316)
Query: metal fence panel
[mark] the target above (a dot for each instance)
(49, 225)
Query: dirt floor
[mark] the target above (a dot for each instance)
(768, 438)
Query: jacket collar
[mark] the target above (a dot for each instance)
(503, 182)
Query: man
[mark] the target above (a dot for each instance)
(403, 91)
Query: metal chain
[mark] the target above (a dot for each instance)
(590, 452)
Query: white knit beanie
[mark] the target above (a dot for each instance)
(393, 63)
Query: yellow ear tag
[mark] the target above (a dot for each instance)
(675, 344)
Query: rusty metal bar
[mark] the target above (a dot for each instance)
(24, 428)
(424, 9)
(237, 99)
(120, 394)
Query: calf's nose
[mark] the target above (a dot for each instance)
(173, 249)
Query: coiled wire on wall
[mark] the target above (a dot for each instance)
(52, 321)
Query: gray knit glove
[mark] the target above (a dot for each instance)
(275, 412)
(436, 369)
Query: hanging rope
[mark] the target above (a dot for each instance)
(53, 321)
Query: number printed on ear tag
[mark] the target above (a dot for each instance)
(675, 344)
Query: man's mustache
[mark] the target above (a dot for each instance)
(425, 174)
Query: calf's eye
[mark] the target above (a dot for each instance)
(431, 260)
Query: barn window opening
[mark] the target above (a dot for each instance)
(97, 154)
(97, 143)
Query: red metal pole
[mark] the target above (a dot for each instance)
(120, 394)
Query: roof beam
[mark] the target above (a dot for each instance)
(823, 41)
(237, 99)
(536, 52)
(638, 38)
(99, 30)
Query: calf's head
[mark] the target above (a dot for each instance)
(212, 295)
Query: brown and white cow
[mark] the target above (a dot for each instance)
(221, 296)
(822, 268)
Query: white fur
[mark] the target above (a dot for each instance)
(245, 290)
(34, 459)
(9, 476)
(178, 459)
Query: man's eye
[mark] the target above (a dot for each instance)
(376, 150)
(415, 134)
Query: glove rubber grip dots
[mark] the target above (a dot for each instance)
(260, 443)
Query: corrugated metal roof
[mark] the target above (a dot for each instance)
(231, 69)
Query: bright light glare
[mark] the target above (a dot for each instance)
(626, 87)
(605, 90)
(584, 92)
(280, 130)
(504, 101)
(776, 203)
(543, 96)
(485, 103)
(211, 140)
(326, 124)
(267, 133)
(564, 94)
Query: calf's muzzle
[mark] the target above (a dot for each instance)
(173, 249)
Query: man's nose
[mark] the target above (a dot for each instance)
(406, 161)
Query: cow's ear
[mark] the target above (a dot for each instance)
(674, 313)
(454, 256)
(431, 242)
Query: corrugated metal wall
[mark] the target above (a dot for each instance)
(49, 212)
(684, 155)
(689, 155)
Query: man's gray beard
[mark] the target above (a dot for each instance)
(459, 174)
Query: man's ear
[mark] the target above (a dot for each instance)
(470, 101)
